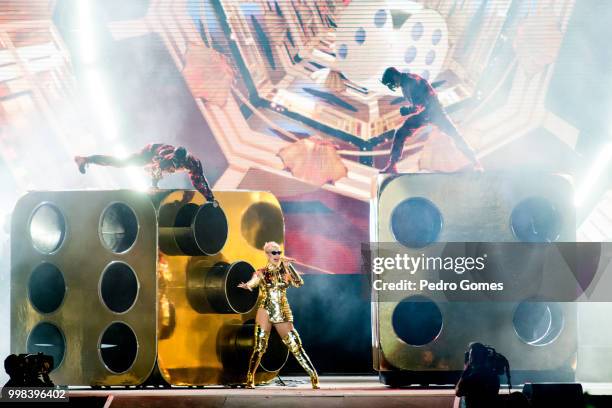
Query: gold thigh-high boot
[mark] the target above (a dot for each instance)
(259, 348)
(294, 344)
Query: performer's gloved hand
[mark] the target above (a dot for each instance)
(211, 199)
(406, 110)
(244, 285)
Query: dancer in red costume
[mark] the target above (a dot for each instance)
(424, 109)
(159, 159)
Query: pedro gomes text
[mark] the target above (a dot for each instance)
(412, 265)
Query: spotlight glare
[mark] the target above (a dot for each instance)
(100, 102)
(593, 174)
(137, 178)
(86, 35)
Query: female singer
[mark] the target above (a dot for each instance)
(273, 309)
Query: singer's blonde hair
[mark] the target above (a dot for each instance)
(268, 245)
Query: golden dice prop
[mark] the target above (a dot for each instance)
(119, 286)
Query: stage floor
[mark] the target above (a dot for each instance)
(362, 391)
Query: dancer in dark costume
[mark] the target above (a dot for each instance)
(424, 109)
(159, 159)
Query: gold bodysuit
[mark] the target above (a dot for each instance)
(273, 282)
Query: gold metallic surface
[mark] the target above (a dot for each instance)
(262, 222)
(294, 344)
(184, 318)
(166, 317)
(273, 290)
(187, 228)
(235, 348)
(203, 347)
(82, 257)
(475, 207)
(297, 280)
(259, 348)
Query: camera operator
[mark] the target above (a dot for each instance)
(13, 366)
(479, 382)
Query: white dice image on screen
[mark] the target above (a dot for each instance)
(364, 38)
(374, 35)
(421, 44)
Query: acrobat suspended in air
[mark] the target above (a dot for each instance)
(159, 159)
(424, 109)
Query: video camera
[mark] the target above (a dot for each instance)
(495, 361)
(29, 370)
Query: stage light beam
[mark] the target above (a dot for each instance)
(97, 89)
(137, 178)
(87, 49)
(601, 162)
